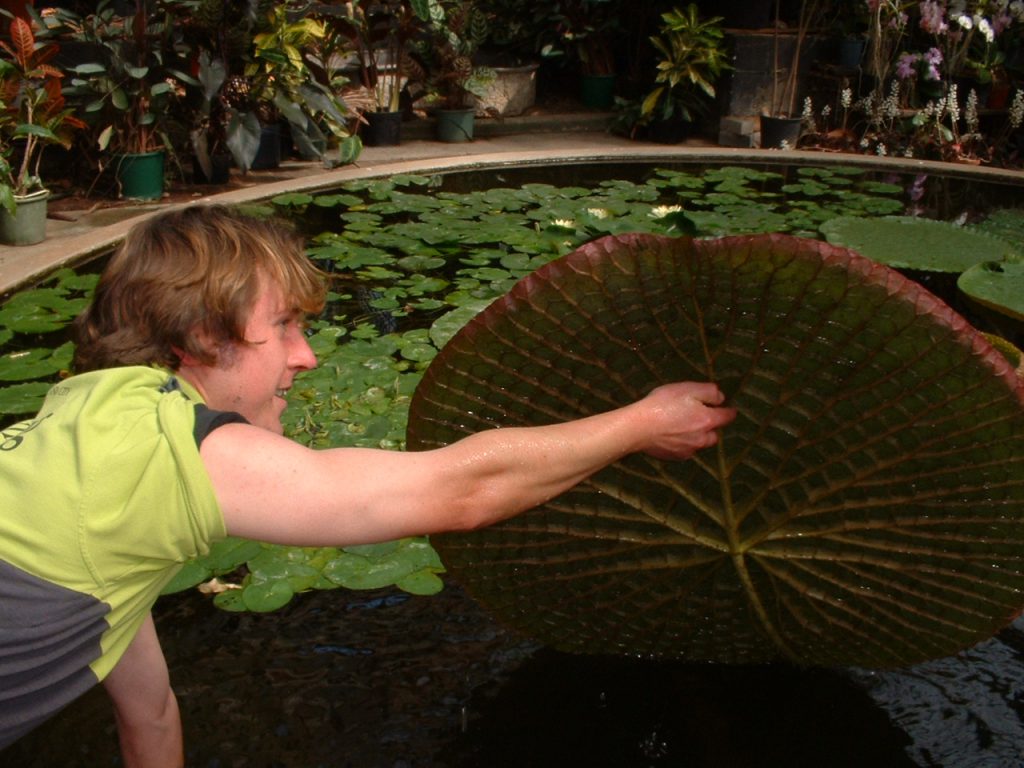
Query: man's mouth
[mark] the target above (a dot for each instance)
(282, 393)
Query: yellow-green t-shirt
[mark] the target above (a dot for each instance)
(103, 497)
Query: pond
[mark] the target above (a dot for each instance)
(383, 678)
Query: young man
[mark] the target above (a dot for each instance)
(170, 438)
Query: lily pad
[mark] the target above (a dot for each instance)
(26, 398)
(907, 242)
(865, 508)
(999, 287)
(35, 363)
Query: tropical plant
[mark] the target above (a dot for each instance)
(209, 132)
(457, 28)
(33, 114)
(220, 36)
(139, 71)
(518, 30)
(588, 29)
(863, 509)
(380, 31)
(280, 82)
(911, 242)
(692, 55)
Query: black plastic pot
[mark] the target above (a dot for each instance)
(383, 129)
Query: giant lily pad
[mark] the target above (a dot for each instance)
(866, 507)
(908, 242)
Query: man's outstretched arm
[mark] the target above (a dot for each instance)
(273, 489)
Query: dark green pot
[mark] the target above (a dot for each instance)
(455, 125)
(597, 91)
(141, 176)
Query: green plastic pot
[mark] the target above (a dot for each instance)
(141, 176)
(597, 91)
(455, 125)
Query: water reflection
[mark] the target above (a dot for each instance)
(966, 711)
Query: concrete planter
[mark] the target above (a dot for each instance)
(511, 93)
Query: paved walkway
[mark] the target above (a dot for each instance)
(87, 233)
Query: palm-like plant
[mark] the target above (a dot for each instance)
(692, 56)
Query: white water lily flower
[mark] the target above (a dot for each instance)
(566, 223)
(661, 211)
(599, 213)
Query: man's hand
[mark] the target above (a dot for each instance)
(683, 419)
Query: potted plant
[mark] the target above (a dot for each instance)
(781, 123)
(588, 27)
(210, 148)
(379, 31)
(281, 84)
(457, 28)
(32, 115)
(847, 24)
(219, 35)
(517, 30)
(691, 56)
(127, 91)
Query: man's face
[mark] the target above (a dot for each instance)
(253, 379)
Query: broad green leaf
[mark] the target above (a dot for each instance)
(191, 574)
(865, 508)
(40, 310)
(229, 553)
(266, 596)
(421, 582)
(448, 325)
(231, 600)
(22, 399)
(34, 363)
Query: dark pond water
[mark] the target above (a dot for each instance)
(383, 679)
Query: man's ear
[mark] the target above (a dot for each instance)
(185, 359)
(204, 343)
